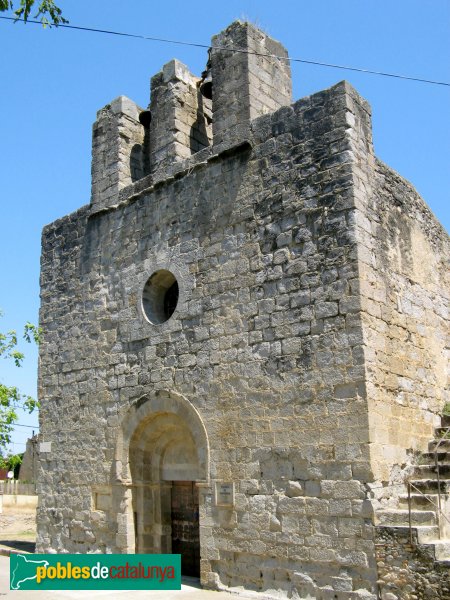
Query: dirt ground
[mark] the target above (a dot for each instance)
(18, 530)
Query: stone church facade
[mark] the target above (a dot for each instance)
(245, 337)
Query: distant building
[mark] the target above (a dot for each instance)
(28, 468)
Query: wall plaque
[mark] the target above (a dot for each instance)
(224, 493)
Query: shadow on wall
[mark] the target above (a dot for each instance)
(200, 135)
(140, 158)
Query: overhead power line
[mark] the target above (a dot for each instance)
(19, 425)
(241, 50)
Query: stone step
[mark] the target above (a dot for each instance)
(445, 421)
(443, 456)
(427, 534)
(443, 445)
(424, 534)
(430, 472)
(430, 486)
(442, 550)
(441, 432)
(394, 516)
(418, 501)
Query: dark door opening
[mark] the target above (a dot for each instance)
(185, 526)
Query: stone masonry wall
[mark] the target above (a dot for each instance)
(180, 116)
(405, 296)
(247, 84)
(265, 343)
(408, 572)
(117, 150)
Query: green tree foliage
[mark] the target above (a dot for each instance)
(11, 462)
(47, 11)
(10, 397)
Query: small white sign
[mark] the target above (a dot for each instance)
(45, 447)
(224, 493)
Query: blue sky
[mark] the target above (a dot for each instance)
(54, 81)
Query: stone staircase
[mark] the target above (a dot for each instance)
(429, 529)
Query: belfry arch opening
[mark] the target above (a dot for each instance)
(162, 458)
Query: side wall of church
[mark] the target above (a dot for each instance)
(405, 293)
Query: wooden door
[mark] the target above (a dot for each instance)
(185, 526)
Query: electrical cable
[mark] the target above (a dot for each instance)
(19, 425)
(241, 50)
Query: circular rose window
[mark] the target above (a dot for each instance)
(160, 296)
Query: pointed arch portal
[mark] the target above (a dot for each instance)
(162, 455)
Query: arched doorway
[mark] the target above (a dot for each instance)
(162, 455)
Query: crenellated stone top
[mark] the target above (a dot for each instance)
(248, 80)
